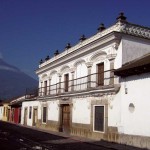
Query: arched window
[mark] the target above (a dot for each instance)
(80, 81)
(54, 84)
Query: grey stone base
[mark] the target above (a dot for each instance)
(81, 130)
(50, 125)
(132, 140)
(85, 130)
(112, 135)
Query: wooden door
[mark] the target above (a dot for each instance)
(66, 118)
(25, 116)
(100, 74)
(35, 116)
(66, 79)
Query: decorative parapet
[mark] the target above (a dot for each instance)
(122, 27)
(136, 30)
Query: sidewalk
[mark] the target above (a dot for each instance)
(102, 143)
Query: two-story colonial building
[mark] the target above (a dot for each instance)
(78, 88)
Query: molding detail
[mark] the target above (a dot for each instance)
(64, 69)
(92, 42)
(53, 72)
(136, 30)
(98, 56)
(78, 62)
(89, 64)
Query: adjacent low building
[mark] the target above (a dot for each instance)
(134, 128)
(16, 107)
(6, 112)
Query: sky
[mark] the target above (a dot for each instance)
(32, 29)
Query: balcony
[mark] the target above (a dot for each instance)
(93, 83)
(31, 93)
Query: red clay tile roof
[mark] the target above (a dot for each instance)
(137, 66)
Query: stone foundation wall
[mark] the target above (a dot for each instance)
(86, 131)
(132, 140)
(112, 135)
(50, 125)
(137, 141)
(82, 130)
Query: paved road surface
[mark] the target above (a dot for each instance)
(15, 137)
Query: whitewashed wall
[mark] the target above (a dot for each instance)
(114, 110)
(53, 111)
(1, 112)
(118, 59)
(134, 48)
(27, 105)
(134, 121)
(81, 111)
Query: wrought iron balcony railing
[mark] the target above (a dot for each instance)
(92, 81)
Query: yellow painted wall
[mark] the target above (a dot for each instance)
(5, 112)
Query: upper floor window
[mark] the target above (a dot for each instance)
(100, 74)
(45, 87)
(66, 82)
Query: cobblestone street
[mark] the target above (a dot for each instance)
(16, 137)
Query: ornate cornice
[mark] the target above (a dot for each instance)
(96, 40)
(94, 92)
(136, 30)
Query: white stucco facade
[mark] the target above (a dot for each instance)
(53, 110)
(27, 105)
(81, 112)
(80, 95)
(135, 105)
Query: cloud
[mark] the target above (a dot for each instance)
(7, 68)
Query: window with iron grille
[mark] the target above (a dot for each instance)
(99, 118)
(30, 112)
(44, 114)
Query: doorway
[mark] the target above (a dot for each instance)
(35, 116)
(66, 118)
(25, 116)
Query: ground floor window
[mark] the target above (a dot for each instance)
(30, 112)
(44, 114)
(99, 118)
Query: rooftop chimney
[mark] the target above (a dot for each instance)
(82, 38)
(41, 61)
(68, 46)
(121, 17)
(101, 27)
(56, 53)
(47, 58)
